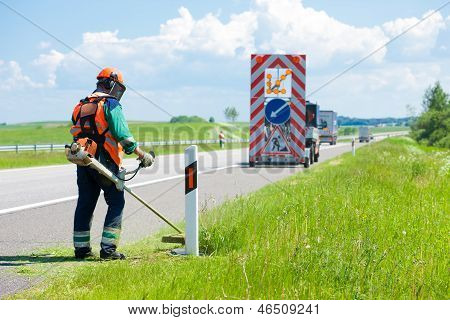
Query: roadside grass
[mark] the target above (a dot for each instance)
(389, 129)
(23, 159)
(374, 226)
(351, 130)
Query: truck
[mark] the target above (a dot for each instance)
(312, 130)
(278, 110)
(364, 134)
(328, 128)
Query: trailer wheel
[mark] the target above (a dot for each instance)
(251, 164)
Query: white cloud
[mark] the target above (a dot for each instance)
(181, 34)
(291, 27)
(150, 55)
(49, 63)
(99, 37)
(283, 26)
(13, 77)
(209, 34)
(420, 39)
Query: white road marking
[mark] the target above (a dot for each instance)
(71, 198)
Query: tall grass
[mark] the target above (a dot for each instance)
(374, 226)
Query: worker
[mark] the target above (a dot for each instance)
(99, 117)
(221, 140)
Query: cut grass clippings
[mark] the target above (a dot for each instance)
(374, 226)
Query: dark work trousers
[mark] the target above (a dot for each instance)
(90, 182)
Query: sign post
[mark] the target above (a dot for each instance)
(191, 200)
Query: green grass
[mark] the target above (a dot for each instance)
(350, 130)
(389, 129)
(23, 159)
(374, 226)
(58, 132)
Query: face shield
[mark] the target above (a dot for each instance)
(117, 90)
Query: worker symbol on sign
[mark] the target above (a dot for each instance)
(278, 111)
(277, 143)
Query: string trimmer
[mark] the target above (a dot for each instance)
(80, 155)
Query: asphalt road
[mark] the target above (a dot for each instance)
(37, 204)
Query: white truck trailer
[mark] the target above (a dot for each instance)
(278, 110)
(328, 127)
(364, 134)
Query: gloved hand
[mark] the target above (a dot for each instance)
(147, 159)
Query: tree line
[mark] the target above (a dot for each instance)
(432, 126)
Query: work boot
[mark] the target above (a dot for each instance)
(83, 253)
(114, 255)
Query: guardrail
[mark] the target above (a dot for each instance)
(56, 147)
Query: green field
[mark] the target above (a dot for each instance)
(58, 132)
(374, 226)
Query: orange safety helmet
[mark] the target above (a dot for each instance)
(111, 73)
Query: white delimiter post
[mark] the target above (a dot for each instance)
(191, 200)
(353, 146)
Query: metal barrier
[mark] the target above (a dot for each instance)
(54, 147)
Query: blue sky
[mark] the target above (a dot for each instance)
(192, 57)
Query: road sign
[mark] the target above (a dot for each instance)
(278, 111)
(261, 65)
(277, 143)
(278, 83)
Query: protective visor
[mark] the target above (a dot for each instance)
(117, 90)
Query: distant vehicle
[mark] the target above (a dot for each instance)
(328, 128)
(312, 130)
(365, 134)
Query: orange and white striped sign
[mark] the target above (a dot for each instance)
(277, 76)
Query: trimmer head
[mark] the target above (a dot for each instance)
(174, 238)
